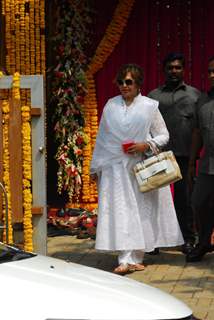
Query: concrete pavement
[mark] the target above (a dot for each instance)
(193, 283)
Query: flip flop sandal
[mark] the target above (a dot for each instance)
(122, 269)
(136, 267)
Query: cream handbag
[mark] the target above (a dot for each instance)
(158, 171)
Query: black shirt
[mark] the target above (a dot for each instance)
(177, 107)
(205, 122)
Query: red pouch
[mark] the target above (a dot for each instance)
(127, 144)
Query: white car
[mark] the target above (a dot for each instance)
(35, 287)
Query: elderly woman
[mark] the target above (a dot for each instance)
(129, 221)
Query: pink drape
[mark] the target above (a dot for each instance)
(154, 29)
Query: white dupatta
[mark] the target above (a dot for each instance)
(120, 123)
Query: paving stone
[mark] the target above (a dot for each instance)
(204, 294)
(209, 316)
(165, 287)
(187, 282)
(156, 276)
(201, 314)
(139, 277)
(163, 268)
(183, 295)
(171, 277)
(183, 289)
(191, 302)
(206, 302)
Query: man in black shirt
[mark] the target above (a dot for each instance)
(177, 106)
(203, 193)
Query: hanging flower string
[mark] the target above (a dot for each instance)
(26, 165)
(24, 36)
(16, 86)
(69, 89)
(89, 192)
(27, 176)
(6, 172)
(112, 35)
(103, 51)
(6, 169)
(3, 7)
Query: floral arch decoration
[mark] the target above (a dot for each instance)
(76, 120)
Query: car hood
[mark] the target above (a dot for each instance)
(40, 288)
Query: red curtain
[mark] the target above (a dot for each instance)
(154, 29)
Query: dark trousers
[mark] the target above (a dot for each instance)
(182, 203)
(203, 205)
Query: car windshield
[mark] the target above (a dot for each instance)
(10, 253)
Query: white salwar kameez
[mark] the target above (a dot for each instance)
(128, 220)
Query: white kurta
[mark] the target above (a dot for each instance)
(128, 219)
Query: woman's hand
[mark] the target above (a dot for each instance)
(138, 148)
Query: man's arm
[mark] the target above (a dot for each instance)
(196, 146)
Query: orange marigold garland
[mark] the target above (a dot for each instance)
(26, 166)
(103, 51)
(112, 35)
(27, 176)
(24, 36)
(3, 7)
(6, 171)
(89, 193)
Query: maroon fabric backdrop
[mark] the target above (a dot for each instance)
(154, 29)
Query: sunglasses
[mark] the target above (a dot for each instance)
(210, 71)
(127, 82)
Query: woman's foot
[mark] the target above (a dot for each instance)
(136, 267)
(122, 269)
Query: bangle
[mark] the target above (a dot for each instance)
(149, 151)
(148, 147)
